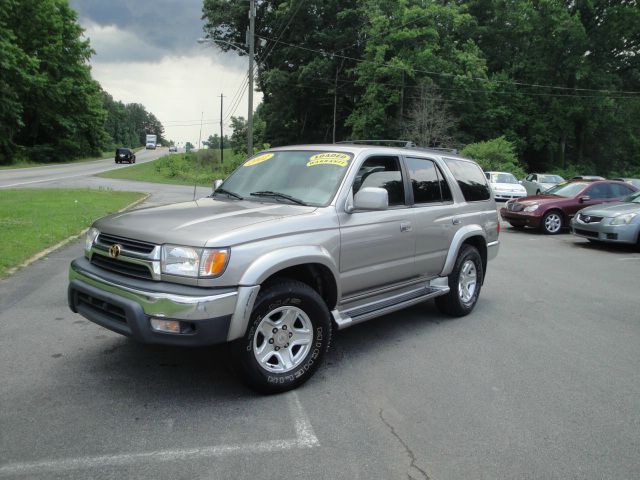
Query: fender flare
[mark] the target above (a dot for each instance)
(459, 238)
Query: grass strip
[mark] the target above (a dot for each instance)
(200, 168)
(34, 219)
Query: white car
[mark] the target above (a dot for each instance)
(537, 183)
(505, 186)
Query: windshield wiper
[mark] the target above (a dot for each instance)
(269, 193)
(234, 195)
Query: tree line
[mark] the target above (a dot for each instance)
(558, 80)
(51, 109)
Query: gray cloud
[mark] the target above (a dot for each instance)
(148, 29)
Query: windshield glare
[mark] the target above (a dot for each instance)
(550, 179)
(566, 189)
(634, 198)
(503, 178)
(310, 176)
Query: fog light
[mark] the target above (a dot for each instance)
(169, 326)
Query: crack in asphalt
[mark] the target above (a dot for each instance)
(407, 449)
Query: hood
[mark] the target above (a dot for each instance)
(196, 223)
(611, 209)
(541, 199)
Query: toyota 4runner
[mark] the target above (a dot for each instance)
(296, 243)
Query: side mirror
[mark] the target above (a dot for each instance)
(371, 198)
(585, 198)
(217, 184)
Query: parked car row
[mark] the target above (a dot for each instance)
(600, 210)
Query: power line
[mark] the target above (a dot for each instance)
(442, 74)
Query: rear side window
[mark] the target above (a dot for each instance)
(427, 181)
(619, 190)
(470, 179)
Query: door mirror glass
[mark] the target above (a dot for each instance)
(371, 198)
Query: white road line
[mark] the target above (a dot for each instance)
(47, 180)
(305, 438)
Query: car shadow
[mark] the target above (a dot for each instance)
(615, 248)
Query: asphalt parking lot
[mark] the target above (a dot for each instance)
(540, 381)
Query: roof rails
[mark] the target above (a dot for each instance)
(399, 143)
(392, 143)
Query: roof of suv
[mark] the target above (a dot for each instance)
(358, 148)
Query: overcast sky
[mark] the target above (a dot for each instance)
(146, 52)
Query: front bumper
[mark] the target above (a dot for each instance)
(508, 195)
(126, 306)
(521, 218)
(605, 233)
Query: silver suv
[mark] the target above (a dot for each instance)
(297, 242)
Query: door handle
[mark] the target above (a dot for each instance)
(456, 221)
(405, 227)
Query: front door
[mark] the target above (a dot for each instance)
(377, 247)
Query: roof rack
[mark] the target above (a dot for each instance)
(400, 143)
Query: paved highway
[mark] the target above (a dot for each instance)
(35, 176)
(539, 382)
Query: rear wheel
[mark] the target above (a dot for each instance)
(464, 283)
(552, 222)
(287, 336)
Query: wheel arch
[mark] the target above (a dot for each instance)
(472, 235)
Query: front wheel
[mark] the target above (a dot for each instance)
(464, 283)
(552, 222)
(288, 334)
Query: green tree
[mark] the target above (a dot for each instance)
(61, 113)
(497, 154)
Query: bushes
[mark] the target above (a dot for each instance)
(495, 155)
(197, 167)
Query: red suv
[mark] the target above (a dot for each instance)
(555, 208)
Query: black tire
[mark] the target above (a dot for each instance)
(537, 192)
(117, 161)
(552, 222)
(517, 226)
(452, 303)
(277, 296)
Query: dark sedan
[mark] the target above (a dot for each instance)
(125, 155)
(554, 209)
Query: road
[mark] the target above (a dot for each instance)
(540, 381)
(36, 176)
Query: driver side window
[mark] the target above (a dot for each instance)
(382, 172)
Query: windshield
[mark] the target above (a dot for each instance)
(308, 176)
(634, 198)
(566, 189)
(503, 178)
(550, 179)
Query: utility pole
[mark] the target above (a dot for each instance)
(200, 136)
(251, 42)
(221, 137)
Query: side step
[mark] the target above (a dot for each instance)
(352, 316)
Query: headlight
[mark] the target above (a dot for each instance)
(90, 238)
(193, 262)
(531, 208)
(623, 219)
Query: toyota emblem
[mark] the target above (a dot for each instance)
(114, 250)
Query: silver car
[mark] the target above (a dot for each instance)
(537, 183)
(615, 222)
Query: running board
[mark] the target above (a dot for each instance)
(352, 316)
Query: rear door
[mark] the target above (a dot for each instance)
(433, 214)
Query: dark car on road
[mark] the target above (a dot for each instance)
(554, 209)
(125, 155)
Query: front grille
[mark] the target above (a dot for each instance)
(112, 311)
(515, 207)
(126, 243)
(118, 266)
(586, 233)
(589, 218)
